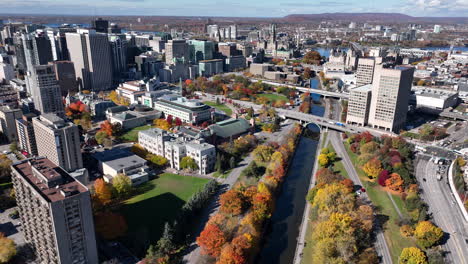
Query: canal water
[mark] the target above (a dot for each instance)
(281, 238)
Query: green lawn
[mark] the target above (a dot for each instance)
(160, 201)
(132, 135)
(338, 166)
(220, 107)
(387, 211)
(274, 97)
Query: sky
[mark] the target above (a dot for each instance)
(237, 8)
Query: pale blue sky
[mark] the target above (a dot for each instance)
(251, 8)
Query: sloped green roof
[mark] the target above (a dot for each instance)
(230, 127)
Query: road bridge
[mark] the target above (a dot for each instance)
(305, 89)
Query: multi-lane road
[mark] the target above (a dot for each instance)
(445, 212)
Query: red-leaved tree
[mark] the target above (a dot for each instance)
(211, 240)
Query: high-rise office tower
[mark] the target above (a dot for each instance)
(56, 213)
(26, 137)
(45, 90)
(365, 71)
(66, 77)
(91, 56)
(200, 50)
(42, 48)
(390, 93)
(58, 43)
(59, 141)
(100, 25)
(177, 50)
(118, 47)
(273, 32)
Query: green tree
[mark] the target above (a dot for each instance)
(100, 136)
(262, 153)
(13, 147)
(188, 163)
(122, 185)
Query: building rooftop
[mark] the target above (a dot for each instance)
(363, 88)
(230, 127)
(50, 181)
(118, 158)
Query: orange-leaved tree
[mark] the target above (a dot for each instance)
(231, 202)
(110, 225)
(211, 240)
(395, 182)
(103, 191)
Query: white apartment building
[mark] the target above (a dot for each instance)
(189, 111)
(176, 146)
(358, 105)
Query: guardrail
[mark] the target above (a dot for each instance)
(455, 192)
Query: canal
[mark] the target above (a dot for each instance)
(280, 241)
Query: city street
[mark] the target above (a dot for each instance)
(445, 212)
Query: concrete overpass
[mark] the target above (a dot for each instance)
(456, 116)
(322, 122)
(304, 89)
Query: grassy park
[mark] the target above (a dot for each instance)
(274, 97)
(132, 135)
(220, 107)
(159, 201)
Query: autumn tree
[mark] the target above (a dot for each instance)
(178, 122)
(406, 231)
(395, 182)
(323, 160)
(106, 127)
(211, 240)
(327, 176)
(122, 185)
(162, 124)
(312, 57)
(412, 255)
(231, 202)
(383, 177)
(7, 249)
(369, 147)
(372, 168)
(103, 192)
(157, 160)
(427, 234)
(110, 225)
(334, 198)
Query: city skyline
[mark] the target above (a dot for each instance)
(240, 8)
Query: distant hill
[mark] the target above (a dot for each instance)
(371, 17)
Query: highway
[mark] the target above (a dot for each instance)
(445, 212)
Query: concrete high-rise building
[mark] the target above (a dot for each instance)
(201, 50)
(177, 50)
(7, 72)
(390, 94)
(118, 48)
(233, 32)
(66, 77)
(228, 49)
(359, 104)
(55, 211)
(59, 141)
(26, 137)
(45, 90)
(437, 29)
(365, 71)
(8, 118)
(91, 56)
